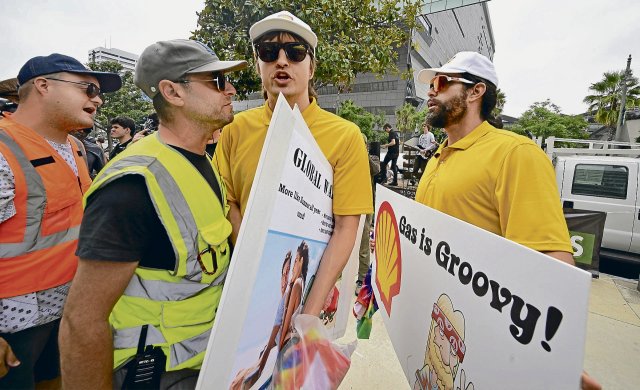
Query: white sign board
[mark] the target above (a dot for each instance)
(285, 230)
(468, 309)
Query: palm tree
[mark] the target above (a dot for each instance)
(501, 100)
(604, 101)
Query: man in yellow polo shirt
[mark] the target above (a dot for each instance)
(285, 60)
(494, 179)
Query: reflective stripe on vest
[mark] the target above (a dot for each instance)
(42, 242)
(36, 202)
(189, 348)
(183, 214)
(159, 290)
(178, 353)
(128, 337)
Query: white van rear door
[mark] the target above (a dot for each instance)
(608, 186)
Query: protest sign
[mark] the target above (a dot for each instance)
(467, 309)
(285, 230)
(586, 228)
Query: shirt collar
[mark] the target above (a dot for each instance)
(307, 114)
(468, 140)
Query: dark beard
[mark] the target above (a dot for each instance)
(448, 113)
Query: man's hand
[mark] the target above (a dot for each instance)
(139, 135)
(7, 358)
(588, 383)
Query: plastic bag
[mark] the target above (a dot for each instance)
(309, 360)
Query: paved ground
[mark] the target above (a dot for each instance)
(612, 351)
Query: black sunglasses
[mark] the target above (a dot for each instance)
(91, 91)
(269, 51)
(219, 78)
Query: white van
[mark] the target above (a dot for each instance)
(603, 182)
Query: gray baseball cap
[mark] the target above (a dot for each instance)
(172, 60)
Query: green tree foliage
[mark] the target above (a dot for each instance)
(354, 36)
(604, 100)
(128, 101)
(409, 120)
(545, 119)
(364, 119)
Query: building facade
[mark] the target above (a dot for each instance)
(445, 33)
(124, 58)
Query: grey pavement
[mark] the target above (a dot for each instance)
(612, 353)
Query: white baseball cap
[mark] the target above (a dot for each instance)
(284, 21)
(463, 62)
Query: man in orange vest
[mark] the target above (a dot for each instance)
(43, 177)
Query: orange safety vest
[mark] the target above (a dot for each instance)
(38, 244)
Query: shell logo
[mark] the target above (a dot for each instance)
(388, 256)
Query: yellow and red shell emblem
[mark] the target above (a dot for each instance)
(388, 255)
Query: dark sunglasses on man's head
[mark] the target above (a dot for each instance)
(91, 91)
(269, 51)
(218, 77)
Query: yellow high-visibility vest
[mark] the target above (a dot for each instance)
(178, 306)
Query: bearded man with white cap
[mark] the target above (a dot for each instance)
(284, 48)
(494, 179)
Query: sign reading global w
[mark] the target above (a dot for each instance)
(433, 6)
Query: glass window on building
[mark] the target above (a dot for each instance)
(426, 24)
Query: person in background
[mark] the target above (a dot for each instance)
(427, 145)
(122, 129)
(150, 125)
(95, 154)
(393, 152)
(43, 177)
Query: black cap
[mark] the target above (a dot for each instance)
(54, 63)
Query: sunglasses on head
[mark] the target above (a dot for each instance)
(91, 91)
(269, 51)
(219, 78)
(440, 82)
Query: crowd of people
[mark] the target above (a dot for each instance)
(137, 258)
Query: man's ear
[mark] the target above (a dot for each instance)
(312, 70)
(41, 85)
(255, 61)
(171, 92)
(476, 92)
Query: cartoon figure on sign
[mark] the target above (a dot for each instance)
(445, 349)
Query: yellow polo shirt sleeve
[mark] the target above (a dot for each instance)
(352, 189)
(221, 159)
(528, 203)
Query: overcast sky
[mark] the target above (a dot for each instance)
(544, 48)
